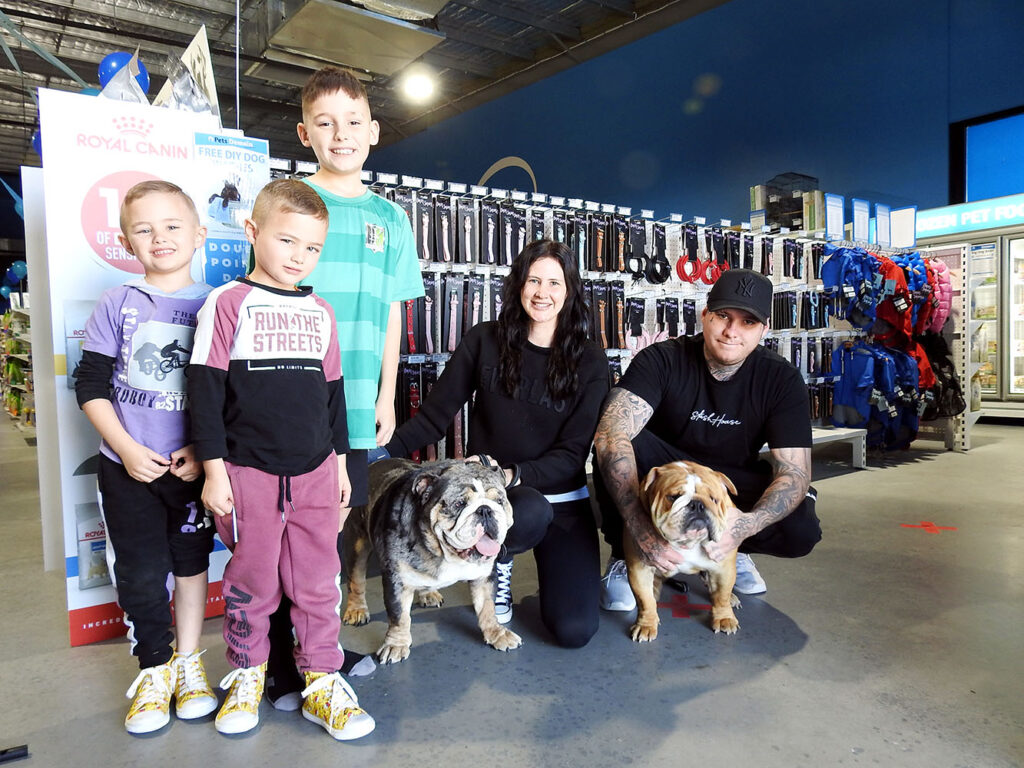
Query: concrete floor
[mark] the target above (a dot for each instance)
(886, 646)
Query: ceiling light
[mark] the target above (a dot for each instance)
(418, 86)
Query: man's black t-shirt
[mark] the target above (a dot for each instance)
(722, 424)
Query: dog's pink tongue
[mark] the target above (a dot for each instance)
(487, 546)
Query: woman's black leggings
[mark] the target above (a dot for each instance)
(565, 545)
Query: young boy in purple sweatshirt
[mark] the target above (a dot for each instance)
(131, 386)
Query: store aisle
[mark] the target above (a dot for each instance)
(889, 646)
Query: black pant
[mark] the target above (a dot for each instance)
(563, 537)
(793, 536)
(357, 468)
(153, 529)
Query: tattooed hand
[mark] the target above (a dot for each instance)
(792, 469)
(624, 416)
(730, 539)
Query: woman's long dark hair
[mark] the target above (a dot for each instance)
(514, 324)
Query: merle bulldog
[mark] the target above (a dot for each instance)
(431, 525)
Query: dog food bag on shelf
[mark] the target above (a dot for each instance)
(92, 546)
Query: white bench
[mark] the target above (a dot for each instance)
(858, 438)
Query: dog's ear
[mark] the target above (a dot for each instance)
(649, 480)
(422, 485)
(727, 483)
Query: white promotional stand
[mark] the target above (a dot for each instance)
(94, 150)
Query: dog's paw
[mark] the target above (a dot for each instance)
(356, 616)
(502, 639)
(391, 653)
(643, 633)
(726, 624)
(429, 598)
(735, 600)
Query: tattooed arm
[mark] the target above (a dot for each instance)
(792, 478)
(623, 417)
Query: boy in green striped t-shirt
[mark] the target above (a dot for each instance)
(368, 266)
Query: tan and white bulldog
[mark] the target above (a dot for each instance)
(688, 504)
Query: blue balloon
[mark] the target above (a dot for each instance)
(19, 268)
(112, 64)
(10, 277)
(5, 291)
(37, 143)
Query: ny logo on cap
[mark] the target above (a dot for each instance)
(745, 287)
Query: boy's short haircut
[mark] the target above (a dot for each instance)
(330, 80)
(144, 188)
(289, 196)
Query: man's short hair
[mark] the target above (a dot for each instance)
(144, 188)
(289, 196)
(330, 80)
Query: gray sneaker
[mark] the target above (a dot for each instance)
(748, 580)
(503, 592)
(616, 594)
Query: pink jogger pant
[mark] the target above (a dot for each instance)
(287, 540)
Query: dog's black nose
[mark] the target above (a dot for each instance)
(696, 516)
(486, 518)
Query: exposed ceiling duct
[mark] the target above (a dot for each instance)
(312, 33)
(409, 10)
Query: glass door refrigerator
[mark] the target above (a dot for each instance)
(1014, 297)
(995, 321)
(983, 321)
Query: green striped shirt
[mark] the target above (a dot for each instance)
(368, 262)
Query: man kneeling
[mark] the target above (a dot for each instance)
(715, 398)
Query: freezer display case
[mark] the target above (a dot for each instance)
(984, 316)
(1015, 315)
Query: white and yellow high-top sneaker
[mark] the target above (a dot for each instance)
(151, 699)
(331, 703)
(240, 711)
(193, 696)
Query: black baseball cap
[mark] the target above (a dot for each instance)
(742, 289)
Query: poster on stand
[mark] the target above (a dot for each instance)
(89, 163)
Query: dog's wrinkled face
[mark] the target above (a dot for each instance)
(688, 502)
(469, 513)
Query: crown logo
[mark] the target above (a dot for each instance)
(133, 125)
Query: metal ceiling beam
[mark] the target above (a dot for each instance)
(224, 7)
(106, 10)
(483, 40)
(164, 43)
(524, 17)
(438, 59)
(625, 7)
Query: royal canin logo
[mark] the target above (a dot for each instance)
(132, 137)
(133, 125)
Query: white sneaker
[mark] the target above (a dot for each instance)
(151, 699)
(240, 711)
(503, 592)
(193, 696)
(616, 594)
(748, 580)
(330, 702)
